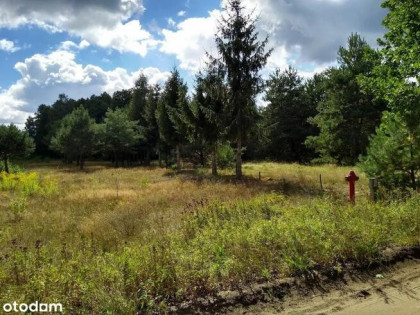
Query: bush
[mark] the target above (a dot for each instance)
(27, 183)
(394, 152)
(13, 168)
(225, 156)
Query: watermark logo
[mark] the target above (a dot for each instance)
(33, 307)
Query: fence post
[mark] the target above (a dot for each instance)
(373, 187)
(320, 181)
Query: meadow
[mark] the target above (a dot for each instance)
(117, 241)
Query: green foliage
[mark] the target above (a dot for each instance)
(76, 138)
(285, 117)
(119, 134)
(13, 143)
(225, 156)
(137, 105)
(27, 184)
(172, 107)
(397, 78)
(242, 56)
(13, 168)
(394, 153)
(150, 129)
(218, 245)
(121, 99)
(346, 116)
(209, 111)
(97, 106)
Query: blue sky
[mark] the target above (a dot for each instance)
(85, 47)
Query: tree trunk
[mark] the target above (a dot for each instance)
(178, 158)
(214, 160)
(6, 165)
(239, 156)
(116, 159)
(147, 161)
(412, 172)
(160, 158)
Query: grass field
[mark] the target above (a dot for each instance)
(113, 241)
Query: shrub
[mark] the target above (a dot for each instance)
(225, 156)
(27, 183)
(13, 168)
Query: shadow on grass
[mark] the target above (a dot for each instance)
(280, 185)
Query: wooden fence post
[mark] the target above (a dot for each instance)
(373, 187)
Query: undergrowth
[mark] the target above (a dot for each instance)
(218, 245)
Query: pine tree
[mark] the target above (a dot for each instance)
(150, 129)
(119, 134)
(394, 151)
(137, 105)
(167, 108)
(347, 116)
(286, 116)
(76, 136)
(209, 110)
(13, 143)
(242, 57)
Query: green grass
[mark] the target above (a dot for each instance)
(115, 241)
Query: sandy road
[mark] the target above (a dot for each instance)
(395, 290)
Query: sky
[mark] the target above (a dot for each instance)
(86, 47)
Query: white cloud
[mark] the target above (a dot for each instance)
(191, 39)
(69, 45)
(102, 23)
(8, 46)
(45, 76)
(171, 22)
(318, 27)
(301, 32)
(83, 44)
(182, 13)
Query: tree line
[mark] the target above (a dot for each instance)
(365, 110)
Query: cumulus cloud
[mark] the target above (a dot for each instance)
(301, 32)
(314, 30)
(182, 13)
(103, 23)
(191, 39)
(45, 76)
(69, 45)
(8, 46)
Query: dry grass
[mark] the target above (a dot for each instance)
(115, 240)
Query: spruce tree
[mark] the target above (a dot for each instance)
(150, 129)
(137, 105)
(242, 57)
(209, 110)
(166, 114)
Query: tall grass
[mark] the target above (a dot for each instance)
(165, 239)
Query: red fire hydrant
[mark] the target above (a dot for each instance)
(351, 177)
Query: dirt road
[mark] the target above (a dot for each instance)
(395, 290)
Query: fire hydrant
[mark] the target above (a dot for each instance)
(351, 177)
